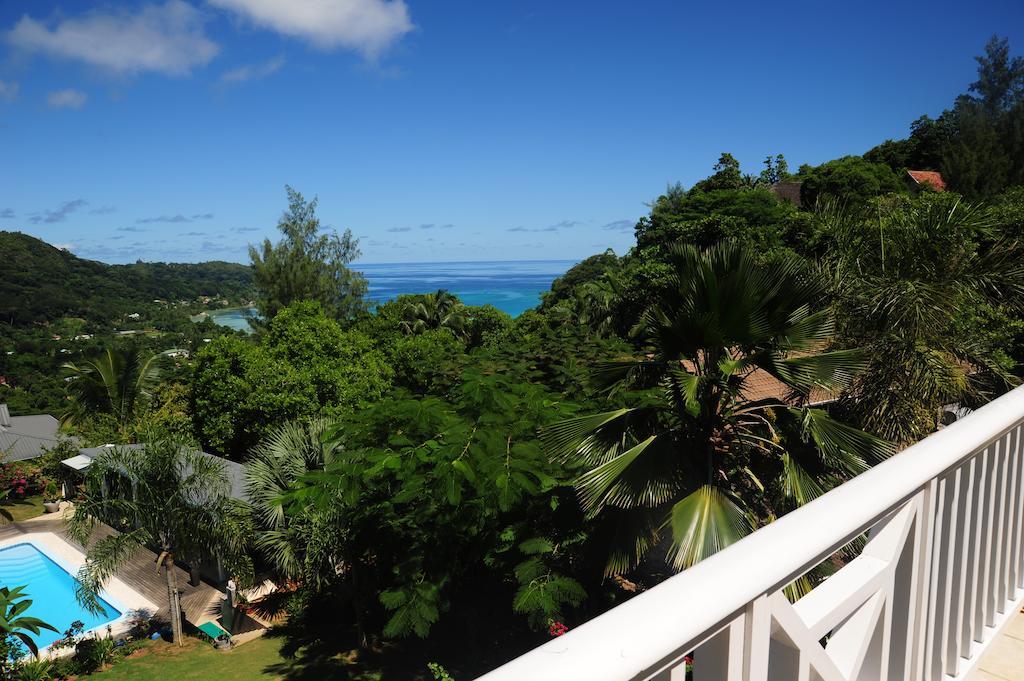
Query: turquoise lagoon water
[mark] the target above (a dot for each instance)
(513, 286)
(51, 590)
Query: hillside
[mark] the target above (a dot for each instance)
(40, 283)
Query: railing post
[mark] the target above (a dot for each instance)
(721, 657)
(921, 581)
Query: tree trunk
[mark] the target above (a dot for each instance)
(173, 601)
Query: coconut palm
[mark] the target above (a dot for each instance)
(13, 621)
(434, 311)
(924, 284)
(115, 382)
(700, 460)
(163, 495)
(291, 451)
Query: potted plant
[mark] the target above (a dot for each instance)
(51, 497)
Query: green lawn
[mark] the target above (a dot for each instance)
(26, 508)
(259, 659)
(198, 660)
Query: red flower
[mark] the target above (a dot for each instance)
(556, 629)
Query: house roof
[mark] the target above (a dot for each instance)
(235, 471)
(788, 190)
(758, 384)
(931, 177)
(26, 437)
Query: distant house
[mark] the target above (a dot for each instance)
(26, 437)
(788, 191)
(235, 471)
(922, 179)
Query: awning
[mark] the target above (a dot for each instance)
(78, 463)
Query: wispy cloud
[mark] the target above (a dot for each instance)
(58, 214)
(7, 213)
(131, 229)
(431, 225)
(245, 229)
(203, 216)
(564, 224)
(620, 225)
(366, 26)
(67, 99)
(399, 229)
(103, 210)
(8, 89)
(164, 218)
(193, 234)
(538, 229)
(165, 38)
(253, 71)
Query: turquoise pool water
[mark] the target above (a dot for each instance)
(51, 589)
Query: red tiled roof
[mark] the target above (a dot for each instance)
(930, 177)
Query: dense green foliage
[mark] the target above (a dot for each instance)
(305, 364)
(698, 454)
(851, 179)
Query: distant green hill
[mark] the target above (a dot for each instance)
(40, 283)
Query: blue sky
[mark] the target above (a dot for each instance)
(439, 130)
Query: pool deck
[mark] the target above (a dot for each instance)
(200, 603)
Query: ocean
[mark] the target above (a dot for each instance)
(512, 286)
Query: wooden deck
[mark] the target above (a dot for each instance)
(200, 603)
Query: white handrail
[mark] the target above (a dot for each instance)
(634, 640)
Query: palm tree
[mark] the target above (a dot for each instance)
(434, 311)
(13, 622)
(163, 495)
(699, 454)
(592, 305)
(924, 284)
(290, 452)
(114, 382)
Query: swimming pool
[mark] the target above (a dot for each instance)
(51, 589)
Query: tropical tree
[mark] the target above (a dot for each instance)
(593, 306)
(288, 453)
(115, 382)
(930, 288)
(13, 621)
(307, 264)
(699, 454)
(434, 311)
(163, 495)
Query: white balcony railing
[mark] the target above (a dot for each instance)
(938, 576)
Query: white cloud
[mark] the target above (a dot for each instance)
(67, 99)
(8, 89)
(166, 38)
(253, 71)
(366, 26)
